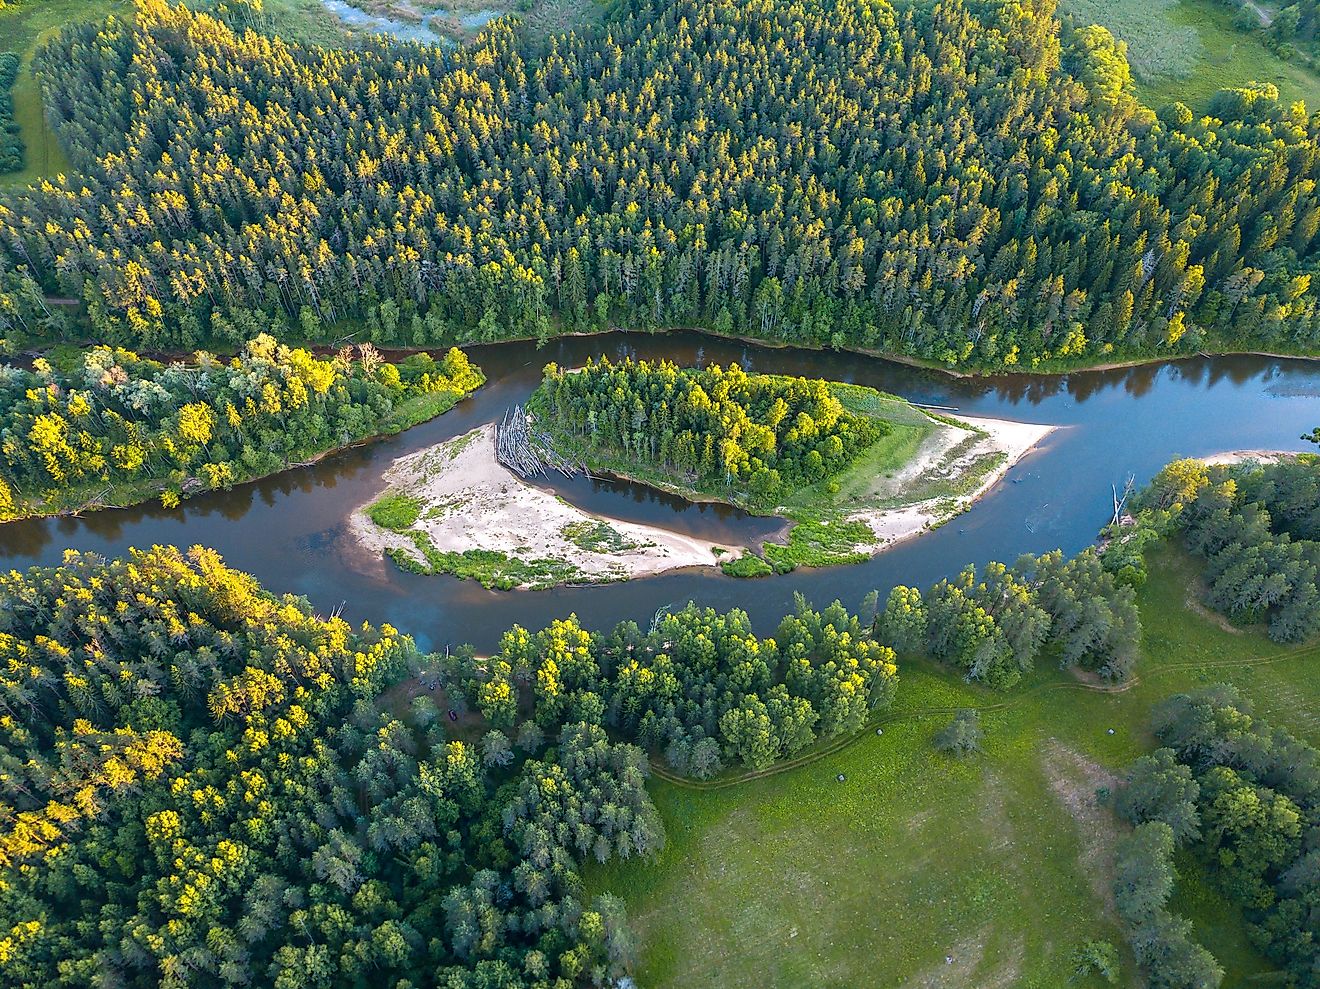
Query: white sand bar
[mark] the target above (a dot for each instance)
(471, 501)
(951, 453)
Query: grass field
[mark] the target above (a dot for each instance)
(1189, 49)
(1000, 863)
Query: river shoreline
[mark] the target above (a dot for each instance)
(1053, 370)
(467, 507)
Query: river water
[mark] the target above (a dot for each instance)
(291, 532)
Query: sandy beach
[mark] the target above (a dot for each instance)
(941, 455)
(1241, 456)
(474, 502)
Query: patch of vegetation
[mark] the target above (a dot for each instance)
(820, 542)
(595, 536)
(1158, 48)
(11, 144)
(883, 890)
(750, 440)
(109, 428)
(490, 568)
(1187, 50)
(396, 512)
(24, 27)
(747, 565)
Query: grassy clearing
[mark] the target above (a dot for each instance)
(27, 24)
(997, 861)
(1189, 49)
(23, 28)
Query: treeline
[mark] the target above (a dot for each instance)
(1160, 939)
(698, 687)
(1245, 798)
(759, 434)
(1258, 528)
(203, 786)
(120, 428)
(994, 623)
(11, 144)
(956, 180)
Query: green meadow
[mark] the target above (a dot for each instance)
(919, 869)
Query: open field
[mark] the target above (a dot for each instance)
(999, 862)
(1189, 49)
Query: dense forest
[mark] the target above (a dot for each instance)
(120, 428)
(755, 433)
(959, 180)
(201, 787)
(1245, 798)
(698, 687)
(994, 623)
(11, 144)
(1258, 528)
(204, 785)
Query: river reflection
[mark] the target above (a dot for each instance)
(290, 530)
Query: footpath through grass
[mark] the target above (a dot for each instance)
(1000, 862)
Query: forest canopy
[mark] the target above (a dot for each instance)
(714, 428)
(119, 428)
(202, 784)
(958, 180)
(1256, 525)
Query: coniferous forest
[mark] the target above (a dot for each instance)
(723, 428)
(959, 180)
(205, 784)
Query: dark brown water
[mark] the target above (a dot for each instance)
(290, 530)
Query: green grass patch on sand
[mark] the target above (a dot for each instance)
(820, 542)
(747, 565)
(395, 512)
(1187, 50)
(490, 568)
(597, 537)
(1000, 862)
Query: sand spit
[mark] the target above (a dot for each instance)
(950, 455)
(1243, 456)
(471, 501)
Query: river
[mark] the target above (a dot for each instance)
(291, 532)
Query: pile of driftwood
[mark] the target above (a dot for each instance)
(527, 451)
